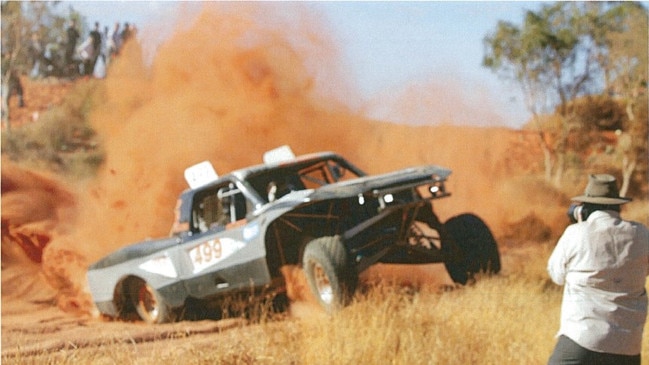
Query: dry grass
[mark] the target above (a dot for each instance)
(498, 320)
(505, 319)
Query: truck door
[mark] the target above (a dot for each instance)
(224, 253)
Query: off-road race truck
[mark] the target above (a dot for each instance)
(232, 235)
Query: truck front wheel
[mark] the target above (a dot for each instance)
(329, 273)
(474, 248)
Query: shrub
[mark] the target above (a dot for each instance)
(62, 140)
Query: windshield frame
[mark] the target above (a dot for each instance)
(298, 175)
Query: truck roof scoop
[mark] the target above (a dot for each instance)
(200, 174)
(280, 154)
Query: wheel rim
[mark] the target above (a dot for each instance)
(147, 303)
(322, 284)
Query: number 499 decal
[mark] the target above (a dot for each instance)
(212, 252)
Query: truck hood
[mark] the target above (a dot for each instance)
(141, 249)
(385, 183)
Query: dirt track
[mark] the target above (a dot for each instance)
(34, 329)
(46, 330)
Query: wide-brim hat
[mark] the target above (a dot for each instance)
(601, 189)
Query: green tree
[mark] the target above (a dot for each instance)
(561, 52)
(626, 68)
(544, 56)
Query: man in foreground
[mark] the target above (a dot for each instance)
(603, 261)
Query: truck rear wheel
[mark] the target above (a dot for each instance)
(328, 271)
(148, 303)
(475, 246)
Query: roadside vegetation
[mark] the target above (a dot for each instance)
(581, 68)
(62, 141)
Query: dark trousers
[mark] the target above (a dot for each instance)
(568, 352)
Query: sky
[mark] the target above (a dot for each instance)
(388, 45)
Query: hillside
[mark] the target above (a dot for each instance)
(39, 96)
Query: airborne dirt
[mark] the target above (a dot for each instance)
(255, 86)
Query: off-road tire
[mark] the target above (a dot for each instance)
(474, 246)
(149, 304)
(330, 275)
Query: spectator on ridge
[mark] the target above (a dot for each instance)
(71, 47)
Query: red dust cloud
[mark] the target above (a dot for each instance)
(227, 87)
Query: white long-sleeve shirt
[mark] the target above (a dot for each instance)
(603, 263)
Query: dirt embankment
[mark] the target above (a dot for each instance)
(39, 96)
(251, 90)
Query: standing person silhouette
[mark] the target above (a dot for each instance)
(95, 35)
(71, 45)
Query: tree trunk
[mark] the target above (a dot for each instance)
(545, 147)
(558, 172)
(5, 103)
(628, 162)
(628, 166)
(560, 148)
(547, 161)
